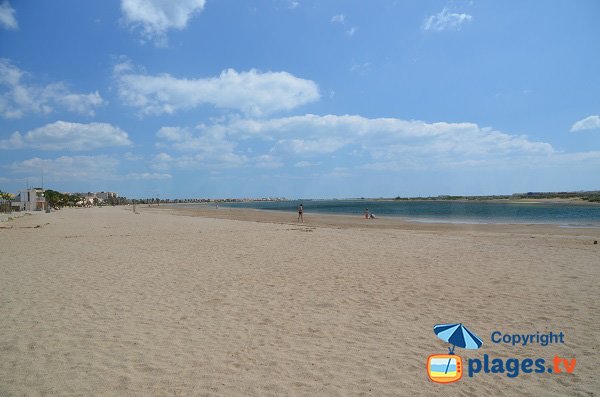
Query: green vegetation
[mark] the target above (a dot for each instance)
(5, 199)
(57, 199)
(5, 196)
(591, 196)
(115, 201)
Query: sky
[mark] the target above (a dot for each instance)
(300, 99)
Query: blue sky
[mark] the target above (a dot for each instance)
(300, 98)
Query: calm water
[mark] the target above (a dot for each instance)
(446, 211)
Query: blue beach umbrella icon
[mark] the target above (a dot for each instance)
(458, 335)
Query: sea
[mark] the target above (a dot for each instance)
(429, 211)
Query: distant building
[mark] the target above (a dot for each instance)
(107, 195)
(30, 200)
(91, 198)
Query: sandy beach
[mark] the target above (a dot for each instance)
(105, 301)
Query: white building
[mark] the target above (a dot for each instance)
(107, 195)
(30, 200)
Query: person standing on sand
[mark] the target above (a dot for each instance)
(366, 213)
(300, 211)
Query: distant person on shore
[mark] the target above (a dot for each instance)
(300, 212)
(371, 215)
(366, 213)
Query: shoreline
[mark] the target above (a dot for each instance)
(568, 201)
(343, 221)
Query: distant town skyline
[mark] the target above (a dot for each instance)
(300, 99)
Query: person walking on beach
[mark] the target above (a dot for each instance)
(300, 211)
(366, 213)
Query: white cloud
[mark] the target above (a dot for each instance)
(202, 149)
(310, 140)
(132, 157)
(164, 161)
(148, 176)
(589, 123)
(67, 168)
(80, 168)
(17, 98)
(267, 161)
(155, 17)
(360, 68)
(251, 92)
(338, 172)
(339, 18)
(62, 135)
(15, 141)
(312, 146)
(305, 164)
(446, 20)
(207, 142)
(458, 137)
(7, 16)
(80, 103)
(350, 32)
(205, 147)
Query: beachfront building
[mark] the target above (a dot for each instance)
(103, 196)
(91, 198)
(30, 200)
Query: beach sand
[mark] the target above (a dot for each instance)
(224, 302)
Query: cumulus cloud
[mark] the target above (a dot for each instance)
(79, 103)
(164, 161)
(154, 18)
(18, 98)
(589, 123)
(68, 168)
(327, 134)
(80, 168)
(7, 16)
(207, 147)
(62, 135)
(312, 140)
(312, 146)
(446, 20)
(202, 148)
(253, 93)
